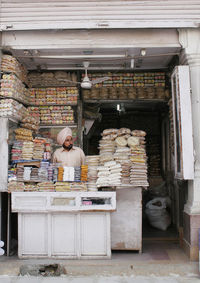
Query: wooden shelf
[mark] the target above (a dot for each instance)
(39, 105)
(58, 126)
(55, 86)
(31, 163)
(124, 100)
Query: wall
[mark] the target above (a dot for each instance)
(62, 14)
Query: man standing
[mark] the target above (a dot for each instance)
(68, 154)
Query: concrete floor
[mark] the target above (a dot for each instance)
(161, 261)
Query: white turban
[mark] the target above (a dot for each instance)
(61, 137)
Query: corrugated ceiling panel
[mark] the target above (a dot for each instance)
(37, 14)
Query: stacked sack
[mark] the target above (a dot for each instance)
(107, 145)
(138, 175)
(122, 153)
(127, 150)
(93, 162)
(109, 174)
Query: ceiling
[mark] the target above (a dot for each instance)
(99, 58)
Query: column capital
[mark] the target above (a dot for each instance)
(190, 40)
(193, 59)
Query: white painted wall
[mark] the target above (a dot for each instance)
(190, 40)
(81, 39)
(3, 154)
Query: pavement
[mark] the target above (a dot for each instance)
(160, 262)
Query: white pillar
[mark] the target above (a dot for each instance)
(0, 192)
(190, 41)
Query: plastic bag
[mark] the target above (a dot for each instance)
(157, 214)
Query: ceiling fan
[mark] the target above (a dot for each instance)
(86, 82)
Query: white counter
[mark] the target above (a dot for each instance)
(63, 224)
(126, 221)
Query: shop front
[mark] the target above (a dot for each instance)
(136, 126)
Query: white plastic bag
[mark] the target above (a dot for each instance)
(1, 246)
(157, 214)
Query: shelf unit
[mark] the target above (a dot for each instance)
(124, 100)
(44, 126)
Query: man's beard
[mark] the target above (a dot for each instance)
(68, 147)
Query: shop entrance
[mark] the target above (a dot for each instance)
(154, 116)
(143, 104)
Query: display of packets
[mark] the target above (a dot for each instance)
(27, 150)
(12, 87)
(68, 174)
(84, 172)
(77, 174)
(126, 93)
(53, 115)
(20, 173)
(62, 187)
(70, 186)
(130, 79)
(12, 174)
(10, 64)
(51, 96)
(15, 186)
(46, 187)
(30, 187)
(93, 162)
(73, 174)
(12, 108)
(16, 151)
(50, 170)
(27, 173)
(34, 175)
(53, 78)
(43, 171)
(39, 147)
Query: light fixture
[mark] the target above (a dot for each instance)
(132, 63)
(118, 107)
(143, 52)
(27, 53)
(36, 52)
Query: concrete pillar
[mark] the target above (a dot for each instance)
(190, 41)
(0, 192)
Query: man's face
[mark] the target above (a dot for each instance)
(68, 141)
